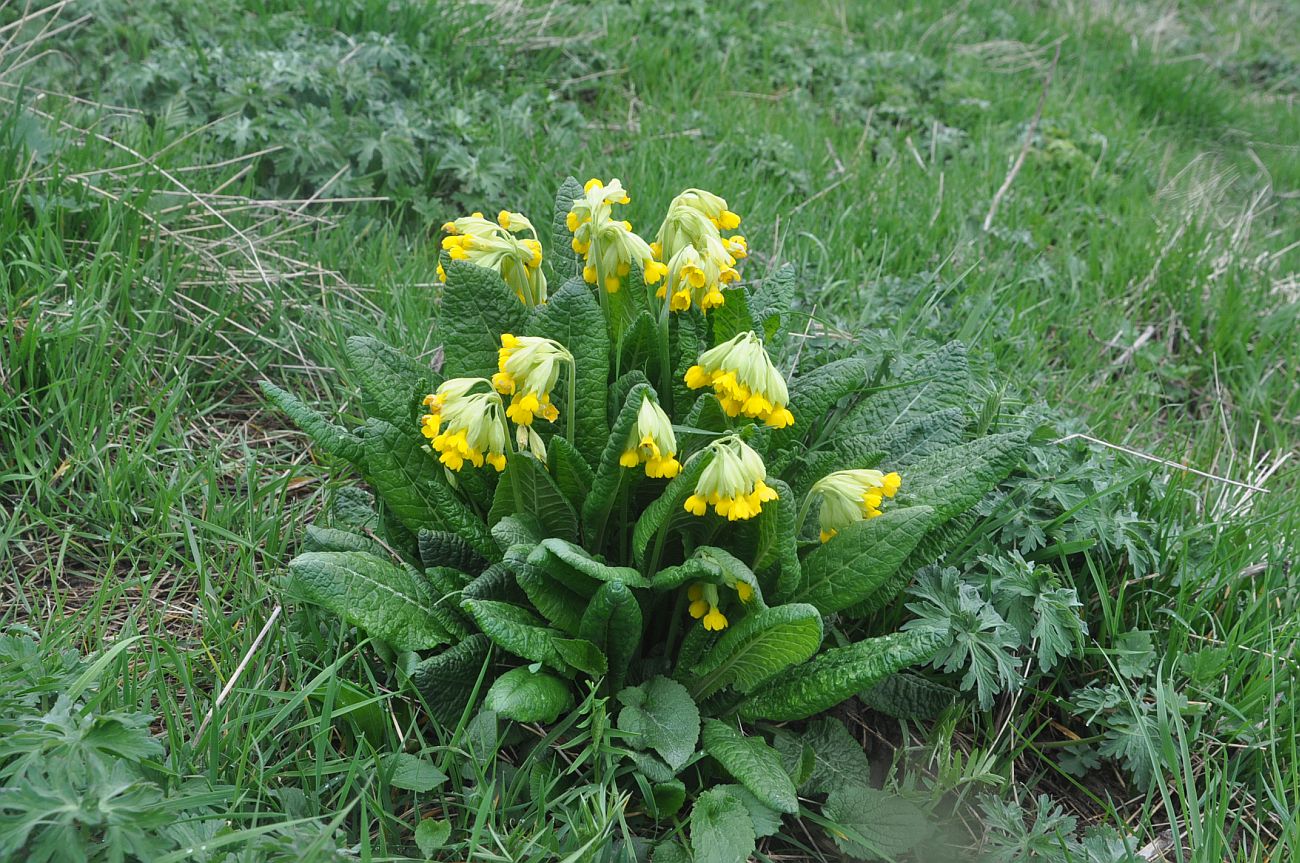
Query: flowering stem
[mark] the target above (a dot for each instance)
(665, 364)
(803, 514)
(675, 621)
(570, 407)
(660, 536)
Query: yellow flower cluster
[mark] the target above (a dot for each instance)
(744, 379)
(732, 483)
(850, 496)
(652, 442)
(700, 260)
(607, 245)
(493, 245)
(528, 368)
(465, 426)
(704, 603)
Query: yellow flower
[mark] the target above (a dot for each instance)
(698, 255)
(607, 245)
(732, 483)
(465, 426)
(528, 368)
(695, 280)
(704, 605)
(652, 442)
(494, 245)
(849, 496)
(744, 379)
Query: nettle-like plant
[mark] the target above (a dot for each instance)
(628, 487)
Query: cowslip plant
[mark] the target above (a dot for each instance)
(629, 484)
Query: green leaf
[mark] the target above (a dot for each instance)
(941, 380)
(797, 757)
(851, 452)
(766, 820)
(447, 681)
(518, 631)
(572, 565)
(333, 439)
(354, 508)
(564, 262)
(872, 824)
(392, 385)
(732, 570)
(732, 317)
(860, 558)
(477, 307)
(668, 799)
(609, 473)
(666, 507)
(412, 773)
(721, 831)
(410, 482)
(932, 548)
(329, 539)
(771, 303)
(908, 696)
(446, 585)
(670, 852)
(612, 622)
(955, 479)
(777, 544)
(572, 474)
(692, 569)
(839, 673)
(526, 488)
(573, 318)
(651, 766)
(659, 715)
(519, 529)
(440, 548)
(496, 582)
(525, 695)
(758, 647)
(686, 343)
(371, 593)
(582, 655)
(557, 603)
(909, 442)
(812, 396)
(639, 347)
(752, 763)
(431, 835)
(838, 759)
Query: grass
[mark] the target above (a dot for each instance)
(1139, 276)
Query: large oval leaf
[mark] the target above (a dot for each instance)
(477, 307)
(526, 488)
(837, 674)
(612, 622)
(861, 558)
(385, 600)
(758, 647)
(525, 695)
(752, 763)
(447, 680)
(573, 318)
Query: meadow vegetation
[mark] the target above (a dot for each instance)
(199, 198)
